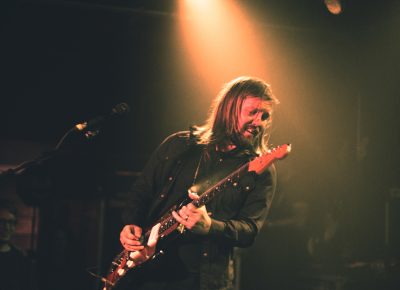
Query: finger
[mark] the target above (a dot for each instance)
(197, 210)
(132, 242)
(194, 195)
(183, 212)
(153, 238)
(125, 241)
(178, 218)
(127, 233)
(137, 231)
(191, 207)
(131, 245)
(139, 256)
(202, 208)
(133, 248)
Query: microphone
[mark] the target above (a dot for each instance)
(118, 110)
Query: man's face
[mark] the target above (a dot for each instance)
(253, 117)
(7, 225)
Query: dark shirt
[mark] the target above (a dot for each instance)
(237, 213)
(14, 270)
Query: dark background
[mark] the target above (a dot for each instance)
(337, 77)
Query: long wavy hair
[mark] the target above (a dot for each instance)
(221, 127)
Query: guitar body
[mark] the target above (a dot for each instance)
(135, 275)
(127, 270)
(132, 278)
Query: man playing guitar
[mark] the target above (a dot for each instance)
(236, 132)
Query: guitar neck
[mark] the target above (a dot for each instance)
(231, 179)
(258, 165)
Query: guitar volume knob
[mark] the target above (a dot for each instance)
(130, 264)
(121, 272)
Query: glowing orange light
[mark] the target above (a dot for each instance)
(219, 39)
(333, 6)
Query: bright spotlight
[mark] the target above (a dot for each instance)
(333, 6)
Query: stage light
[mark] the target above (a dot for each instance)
(333, 6)
(220, 39)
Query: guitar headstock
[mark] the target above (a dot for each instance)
(281, 151)
(260, 164)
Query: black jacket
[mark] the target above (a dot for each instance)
(237, 214)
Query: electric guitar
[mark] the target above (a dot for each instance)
(126, 261)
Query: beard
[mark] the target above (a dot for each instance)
(249, 138)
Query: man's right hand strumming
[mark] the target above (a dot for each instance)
(130, 238)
